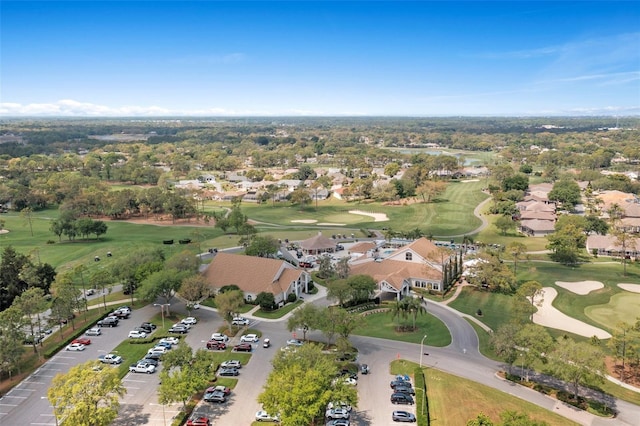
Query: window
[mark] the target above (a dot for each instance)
(408, 256)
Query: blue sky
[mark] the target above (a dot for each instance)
(319, 58)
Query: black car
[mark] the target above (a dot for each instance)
(153, 357)
(399, 382)
(404, 389)
(401, 398)
(151, 361)
(108, 322)
(228, 372)
(148, 326)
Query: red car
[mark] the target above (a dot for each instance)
(214, 344)
(199, 421)
(242, 347)
(82, 340)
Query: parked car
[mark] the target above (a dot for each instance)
(82, 341)
(404, 389)
(135, 334)
(294, 342)
(266, 343)
(240, 321)
(220, 337)
(75, 347)
(181, 324)
(160, 350)
(225, 390)
(146, 327)
(337, 413)
(169, 340)
(339, 404)
(403, 416)
(153, 357)
(153, 362)
(108, 322)
(149, 325)
(339, 422)
(121, 314)
(167, 345)
(143, 367)
(199, 421)
(243, 347)
(110, 359)
(249, 338)
(232, 363)
(218, 346)
(397, 382)
(177, 328)
(212, 395)
(90, 292)
(364, 369)
(95, 331)
(189, 321)
(228, 372)
(401, 398)
(263, 416)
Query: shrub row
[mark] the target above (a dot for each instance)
(422, 399)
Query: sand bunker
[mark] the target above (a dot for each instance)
(580, 287)
(4, 231)
(548, 316)
(304, 221)
(470, 180)
(634, 288)
(331, 224)
(378, 217)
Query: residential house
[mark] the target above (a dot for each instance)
(254, 275)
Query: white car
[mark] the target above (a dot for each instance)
(263, 416)
(189, 321)
(294, 342)
(232, 363)
(75, 347)
(95, 331)
(135, 334)
(142, 367)
(170, 340)
(219, 337)
(181, 324)
(240, 321)
(337, 413)
(249, 338)
(159, 350)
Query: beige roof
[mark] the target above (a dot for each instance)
(538, 225)
(543, 187)
(251, 274)
(535, 206)
(362, 247)
(318, 242)
(395, 271)
(424, 248)
(526, 214)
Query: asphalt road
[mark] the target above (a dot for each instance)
(26, 404)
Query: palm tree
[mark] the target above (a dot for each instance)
(399, 311)
(415, 308)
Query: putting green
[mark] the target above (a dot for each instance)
(622, 306)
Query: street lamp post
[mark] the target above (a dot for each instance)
(162, 305)
(421, 352)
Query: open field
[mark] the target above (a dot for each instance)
(450, 214)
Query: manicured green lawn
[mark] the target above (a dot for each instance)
(382, 325)
(454, 401)
(622, 307)
(496, 308)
